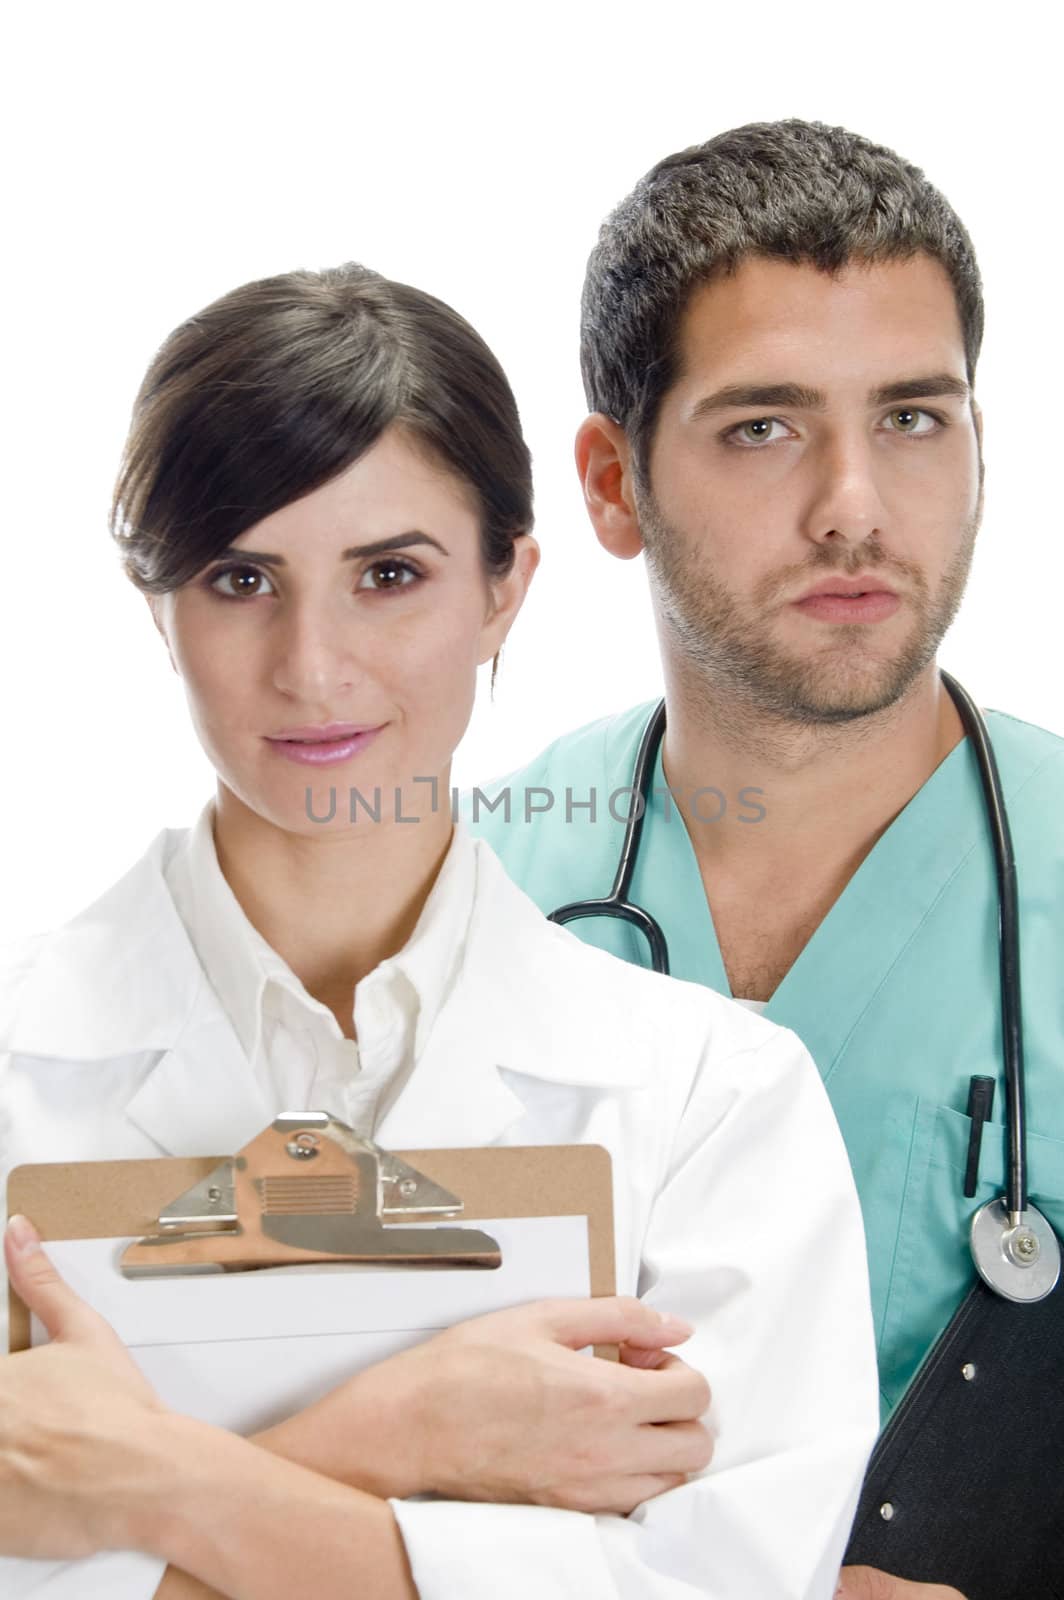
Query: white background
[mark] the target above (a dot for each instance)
(158, 155)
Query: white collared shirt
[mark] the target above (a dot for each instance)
(297, 1050)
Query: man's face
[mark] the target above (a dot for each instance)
(815, 484)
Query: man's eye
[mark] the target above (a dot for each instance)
(907, 419)
(388, 574)
(759, 430)
(243, 588)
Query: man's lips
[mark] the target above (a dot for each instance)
(863, 583)
(863, 598)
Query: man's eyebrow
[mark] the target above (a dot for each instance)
(752, 396)
(938, 385)
(356, 552)
(795, 396)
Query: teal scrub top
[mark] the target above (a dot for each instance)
(896, 995)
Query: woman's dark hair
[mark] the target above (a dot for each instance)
(279, 386)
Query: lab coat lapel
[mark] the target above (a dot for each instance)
(495, 1043)
(457, 1096)
(460, 1092)
(202, 1098)
(122, 979)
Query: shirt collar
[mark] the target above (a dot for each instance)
(124, 976)
(240, 962)
(432, 957)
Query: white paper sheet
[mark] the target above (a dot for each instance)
(244, 1349)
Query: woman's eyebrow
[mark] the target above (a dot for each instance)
(356, 552)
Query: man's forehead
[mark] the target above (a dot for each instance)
(776, 321)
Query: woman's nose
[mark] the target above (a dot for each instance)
(317, 653)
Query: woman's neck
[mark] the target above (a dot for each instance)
(333, 906)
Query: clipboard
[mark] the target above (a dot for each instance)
(120, 1200)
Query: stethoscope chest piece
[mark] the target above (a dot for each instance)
(1019, 1262)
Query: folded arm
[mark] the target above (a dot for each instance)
(755, 1237)
(488, 1411)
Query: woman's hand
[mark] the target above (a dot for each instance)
(91, 1460)
(869, 1583)
(503, 1408)
(78, 1456)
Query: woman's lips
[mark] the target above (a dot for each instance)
(324, 752)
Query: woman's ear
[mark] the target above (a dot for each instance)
(604, 462)
(155, 606)
(507, 596)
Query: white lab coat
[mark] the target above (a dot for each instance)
(735, 1208)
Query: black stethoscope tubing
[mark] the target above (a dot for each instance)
(1008, 941)
(617, 904)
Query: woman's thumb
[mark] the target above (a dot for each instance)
(37, 1282)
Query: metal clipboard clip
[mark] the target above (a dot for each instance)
(308, 1189)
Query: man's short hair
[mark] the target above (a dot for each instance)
(798, 191)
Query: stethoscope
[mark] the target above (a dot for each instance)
(1015, 1250)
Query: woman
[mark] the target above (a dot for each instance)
(326, 499)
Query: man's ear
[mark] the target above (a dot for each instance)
(155, 607)
(507, 596)
(977, 419)
(604, 462)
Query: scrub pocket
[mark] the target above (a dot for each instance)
(932, 1269)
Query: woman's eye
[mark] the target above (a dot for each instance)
(907, 419)
(759, 430)
(388, 574)
(250, 584)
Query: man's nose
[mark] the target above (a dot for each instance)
(844, 504)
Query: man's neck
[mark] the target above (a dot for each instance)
(827, 793)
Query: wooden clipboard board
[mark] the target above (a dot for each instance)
(117, 1199)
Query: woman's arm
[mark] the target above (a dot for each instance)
(756, 1235)
(177, 1585)
(91, 1461)
(490, 1410)
(254, 1527)
(756, 1238)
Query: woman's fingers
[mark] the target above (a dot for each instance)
(612, 1319)
(677, 1447)
(672, 1392)
(36, 1281)
(617, 1495)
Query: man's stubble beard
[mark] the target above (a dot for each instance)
(733, 655)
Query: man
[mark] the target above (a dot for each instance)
(779, 340)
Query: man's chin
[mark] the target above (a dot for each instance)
(838, 689)
(838, 699)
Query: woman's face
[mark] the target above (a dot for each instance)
(364, 604)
